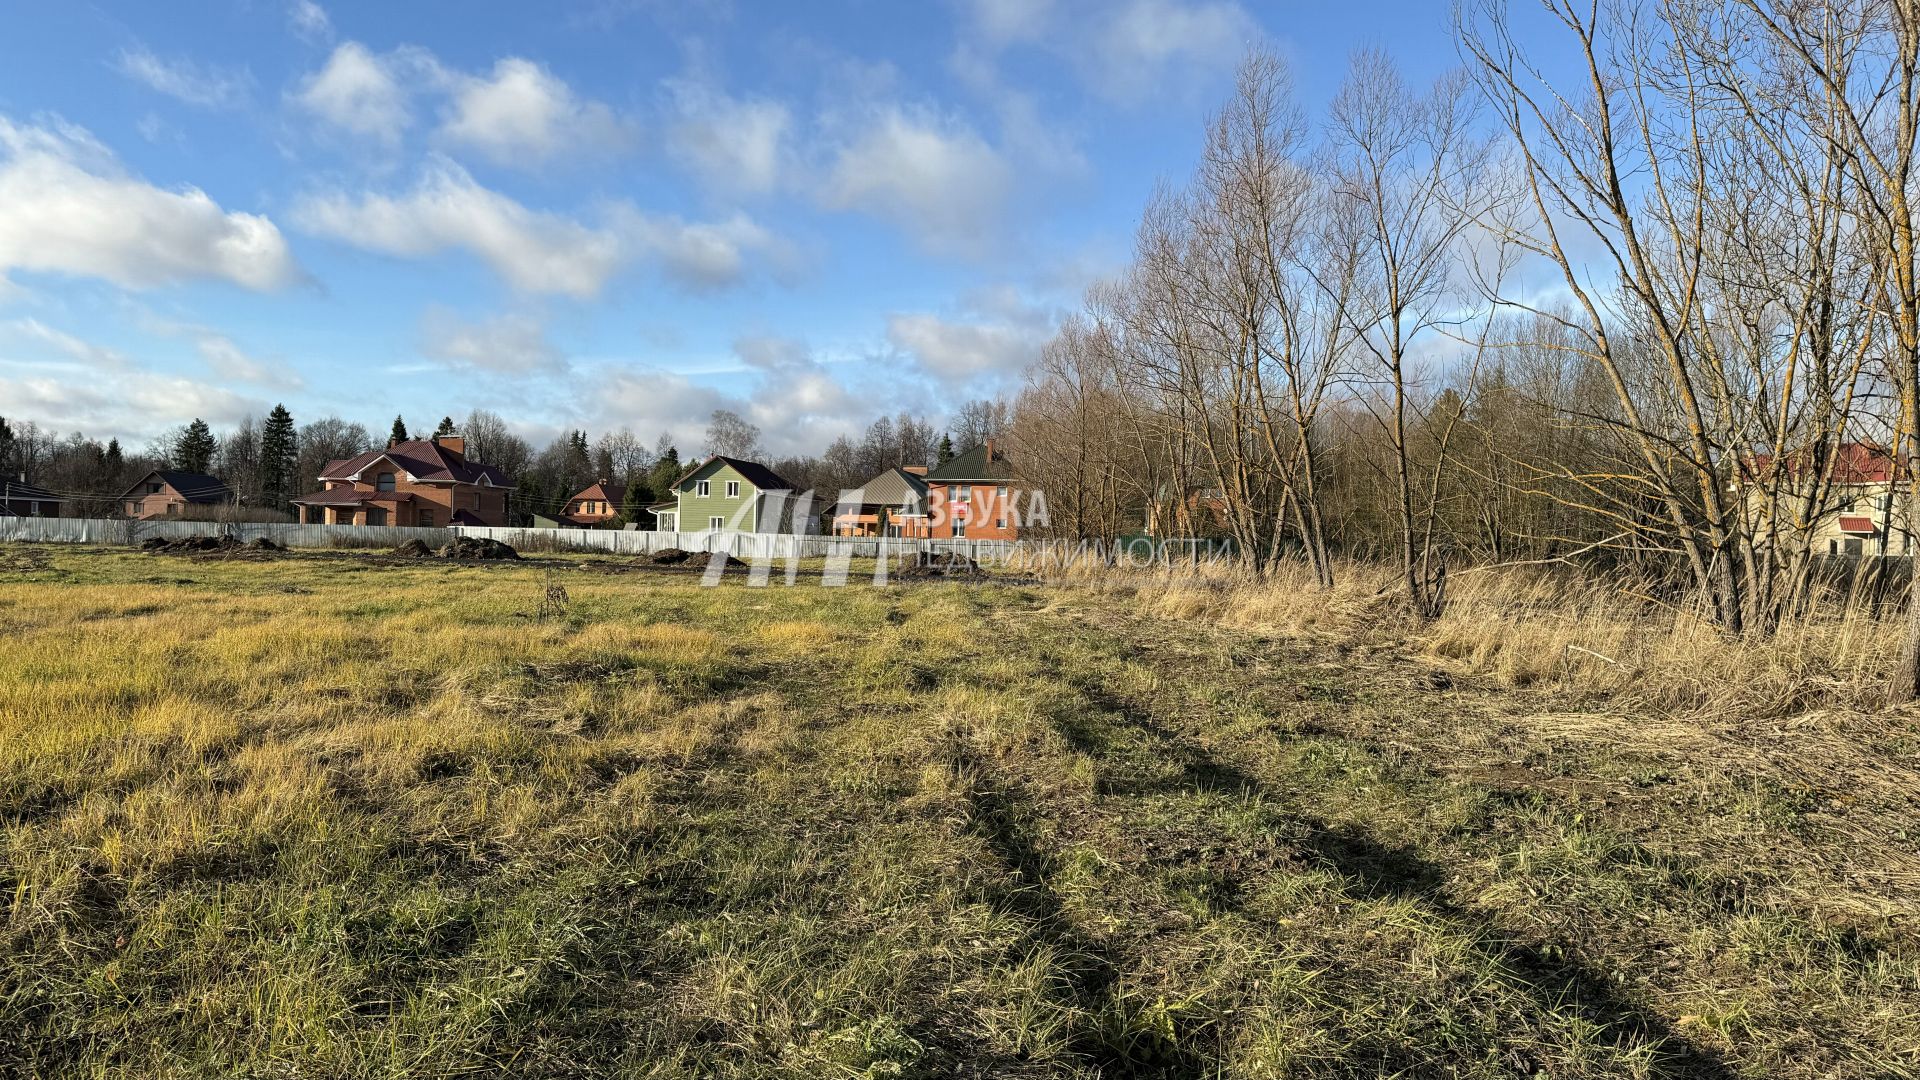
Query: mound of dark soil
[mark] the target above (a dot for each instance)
(473, 547)
(189, 545)
(933, 564)
(414, 549)
(697, 559)
(261, 543)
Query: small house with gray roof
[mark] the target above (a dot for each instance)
(893, 503)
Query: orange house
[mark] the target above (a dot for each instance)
(595, 506)
(972, 497)
(422, 482)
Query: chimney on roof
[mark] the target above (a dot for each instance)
(917, 470)
(989, 449)
(455, 443)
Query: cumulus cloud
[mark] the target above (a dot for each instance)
(706, 255)
(132, 407)
(309, 20)
(67, 206)
(997, 335)
(1146, 39)
(208, 87)
(363, 93)
(523, 115)
(932, 175)
(733, 143)
(513, 344)
(534, 251)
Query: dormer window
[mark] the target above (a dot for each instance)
(384, 482)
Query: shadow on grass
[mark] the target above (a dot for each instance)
(1117, 1037)
(1377, 871)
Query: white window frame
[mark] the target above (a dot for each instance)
(702, 488)
(716, 523)
(733, 489)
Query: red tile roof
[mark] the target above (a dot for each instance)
(1856, 523)
(422, 459)
(605, 491)
(1850, 463)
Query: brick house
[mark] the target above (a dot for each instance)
(21, 499)
(419, 482)
(972, 497)
(170, 493)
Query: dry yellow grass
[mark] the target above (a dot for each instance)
(323, 817)
(1533, 628)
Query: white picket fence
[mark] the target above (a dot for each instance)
(750, 546)
(120, 531)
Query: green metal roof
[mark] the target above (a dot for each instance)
(975, 464)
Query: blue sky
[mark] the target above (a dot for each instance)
(605, 214)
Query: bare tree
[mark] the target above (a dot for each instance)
(730, 435)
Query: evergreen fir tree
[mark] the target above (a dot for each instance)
(194, 450)
(278, 454)
(445, 428)
(666, 469)
(946, 450)
(115, 460)
(399, 433)
(633, 506)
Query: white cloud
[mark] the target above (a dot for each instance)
(133, 407)
(309, 20)
(535, 251)
(934, 176)
(208, 87)
(998, 334)
(708, 255)
(229, 361)
(1145, 40)
(1001, 21)
(522, 115)
(363, 93)
(67, 206)
(84, 352)
(734, 143)
(513, 344)
(1127, 50)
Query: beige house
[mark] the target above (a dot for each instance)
(1862, 510)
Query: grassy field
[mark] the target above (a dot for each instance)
(329, 817)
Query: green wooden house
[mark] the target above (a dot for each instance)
(723, 493)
